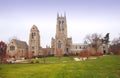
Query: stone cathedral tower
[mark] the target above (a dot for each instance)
(61, 41)
(34, 41)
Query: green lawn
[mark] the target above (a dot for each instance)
(53, 60)
(103, 67)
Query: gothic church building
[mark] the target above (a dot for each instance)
(60, 45)
(61, 41)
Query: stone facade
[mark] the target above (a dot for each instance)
(60, 45)
(77, 48)
(34, 41)
(17, 48)
(105, 48)
(61, 40)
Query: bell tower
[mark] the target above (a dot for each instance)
(34, 41)
(61, 44)
(61, 27)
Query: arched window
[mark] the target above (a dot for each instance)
(59, 44)
(61, 25)
(12, 48)
(33, 35)
(67, 50)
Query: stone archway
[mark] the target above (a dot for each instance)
(104, 51)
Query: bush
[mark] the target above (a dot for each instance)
(72, 54)
(95, 53)
(99, 54)
(51, 55)
(92, 53)
(84, 54)
(65, 55)
(37, 61)
(31, 61)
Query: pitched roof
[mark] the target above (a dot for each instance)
(34, 28)
(20, 44)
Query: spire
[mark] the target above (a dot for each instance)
(57, 14)
(65, 14)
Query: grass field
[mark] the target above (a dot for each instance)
(103, 67)
(52, 60)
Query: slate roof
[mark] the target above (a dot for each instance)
(20, 44)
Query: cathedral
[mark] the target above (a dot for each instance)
(61, 44)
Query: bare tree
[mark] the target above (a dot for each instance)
(116, 41)
(95, 40)
(115, 45)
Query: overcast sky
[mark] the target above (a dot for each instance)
(83, 17)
